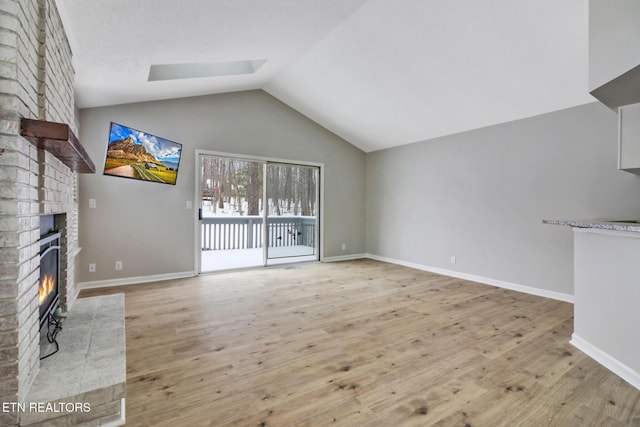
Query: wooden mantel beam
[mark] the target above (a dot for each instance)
(59, 140)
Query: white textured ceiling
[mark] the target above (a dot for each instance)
(379, 73)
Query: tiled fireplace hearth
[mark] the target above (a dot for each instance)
(84, 382)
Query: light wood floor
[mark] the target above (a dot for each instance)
(358, 343)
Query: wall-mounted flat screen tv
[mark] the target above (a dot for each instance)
(142, 156)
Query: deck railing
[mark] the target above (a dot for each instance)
(245, 232)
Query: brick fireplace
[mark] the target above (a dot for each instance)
(19, 326)
(39, 161)
(38, 84)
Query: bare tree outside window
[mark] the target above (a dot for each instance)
(234, 188)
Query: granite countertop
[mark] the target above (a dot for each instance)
(630, 225)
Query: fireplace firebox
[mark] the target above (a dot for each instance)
(49, 291)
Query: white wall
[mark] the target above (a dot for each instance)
(614, 34)
(147, 226)
(482, 196)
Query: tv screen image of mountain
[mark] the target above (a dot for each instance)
(141, 156)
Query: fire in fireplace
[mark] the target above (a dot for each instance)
(47, 287)
(48, 292)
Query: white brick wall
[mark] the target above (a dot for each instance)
(37, 82)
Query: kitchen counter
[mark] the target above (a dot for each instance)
(606, 293)
(630, 225)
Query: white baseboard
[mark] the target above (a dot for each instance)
(135, 280)
(343, 257)
(485, 280)
(611, 363)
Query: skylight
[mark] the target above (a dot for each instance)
(159, 72)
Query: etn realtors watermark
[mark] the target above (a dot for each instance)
(41, 407)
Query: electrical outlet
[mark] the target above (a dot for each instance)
(189, 204)
(92, 203)
(92, 267)
(118, 265)
(344, 246)
(453, 259)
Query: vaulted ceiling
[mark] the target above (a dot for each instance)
(379, 73)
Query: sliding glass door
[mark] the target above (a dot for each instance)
(238, 229)
(231, 213)
(292, 215)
